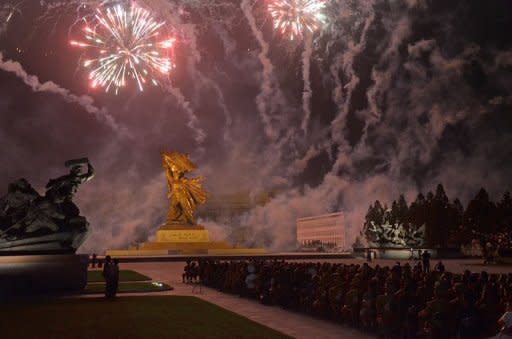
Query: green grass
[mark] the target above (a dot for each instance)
(127, 317)
(124, 275)
(125, 287)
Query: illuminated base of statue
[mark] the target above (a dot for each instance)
(182, 234)
(397, 253)
(180, 239)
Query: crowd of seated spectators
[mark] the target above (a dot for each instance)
(401, 301)
(492, 244)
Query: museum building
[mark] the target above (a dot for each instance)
(322, 229)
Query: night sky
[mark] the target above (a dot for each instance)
(404, 94)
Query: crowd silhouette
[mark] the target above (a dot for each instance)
(400, 301)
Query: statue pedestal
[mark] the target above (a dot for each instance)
(397, 253)
(182, 239)
(29, 274)
(182, 234)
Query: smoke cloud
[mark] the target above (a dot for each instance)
(85, 101)
(395, 96)
(306, 94)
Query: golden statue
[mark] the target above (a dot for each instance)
(180, 235)
(184, 193)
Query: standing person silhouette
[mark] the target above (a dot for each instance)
(426, 261)
(115, 277)
(107, 275)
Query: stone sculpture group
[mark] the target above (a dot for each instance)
(394, 235)
(49, 223)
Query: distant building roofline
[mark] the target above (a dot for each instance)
(321, 216)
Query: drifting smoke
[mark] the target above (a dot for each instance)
(85, 101)
(193, 121)
(388, 108)
(306, 94)
(344, 63)
(269, 99)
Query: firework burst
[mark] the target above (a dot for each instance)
(296, 17)
(124, 44)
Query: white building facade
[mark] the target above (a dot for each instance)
(323, 229)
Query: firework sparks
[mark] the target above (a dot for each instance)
(7, 12)
(9, 17)
(125, 44)
(295, 17)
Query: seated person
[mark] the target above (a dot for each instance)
(186, 272)
(506, 324)
(440, 267)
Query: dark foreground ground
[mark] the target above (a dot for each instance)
(126, 317)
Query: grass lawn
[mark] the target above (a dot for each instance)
(124, 287)
(124, 275)
(127, 317)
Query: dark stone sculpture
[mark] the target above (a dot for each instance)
(31, 223)
(394, 235)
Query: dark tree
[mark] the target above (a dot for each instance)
(368, 219)
(375, 214)
(480, 215)
(458, 210)
(429, 219)
(379, 212)
(458, 234)
(504, 213)
(394, 215)
(430, 197)
(417, 215)
(386, 216)
(403, 210)
(440, 195)
(438, 218)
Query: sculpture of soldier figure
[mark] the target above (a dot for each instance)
(29, 221)
(184, 193)
(64, 187)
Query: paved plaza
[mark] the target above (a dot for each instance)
(291, 323)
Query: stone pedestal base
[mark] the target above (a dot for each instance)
(405, 253)
(182, 234)
(29, 274)
(179, 239)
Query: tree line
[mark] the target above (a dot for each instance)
(447, 223)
